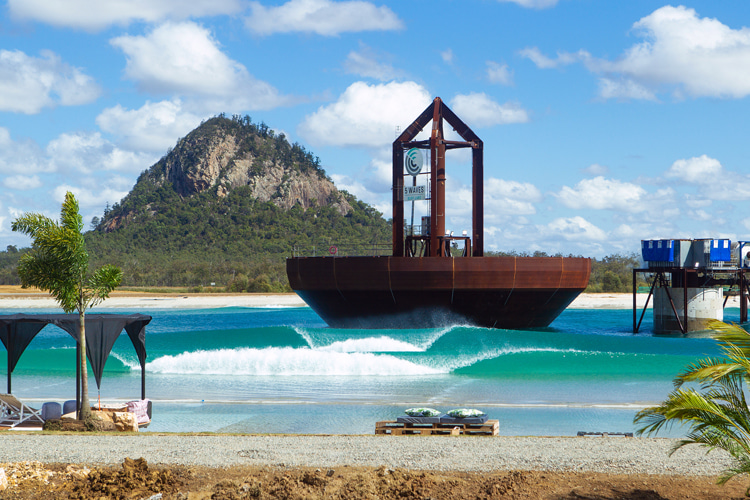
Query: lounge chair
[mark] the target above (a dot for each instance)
(142, 410)
(13, 412)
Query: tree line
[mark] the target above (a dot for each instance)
(258, 266)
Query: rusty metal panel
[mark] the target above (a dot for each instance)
(361, 273)
(420, 273)
(477, 273)
(311, 273)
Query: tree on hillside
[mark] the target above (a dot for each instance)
(58, 263)
(717, 415)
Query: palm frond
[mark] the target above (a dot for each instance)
(101, 283)
(707, 370)
(731, 337)
(69, 216)
(718, 417)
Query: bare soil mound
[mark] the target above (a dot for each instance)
(136, 480)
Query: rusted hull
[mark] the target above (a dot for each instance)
(403, 292)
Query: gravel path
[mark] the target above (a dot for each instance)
(598, 454)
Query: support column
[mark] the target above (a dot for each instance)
(743, 297)
(635, 304)
(437, 180)
(398, 199)
(477, 210)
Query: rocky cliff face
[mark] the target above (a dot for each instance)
(223, 156)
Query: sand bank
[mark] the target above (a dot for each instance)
(158, 301)
(133, 300)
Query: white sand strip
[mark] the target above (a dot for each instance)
(216, 300)
(155, 301)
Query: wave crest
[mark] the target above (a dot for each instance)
(286, 361)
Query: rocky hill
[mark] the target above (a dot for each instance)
(224, 154)
(231, 195)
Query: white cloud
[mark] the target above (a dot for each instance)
(447, 56)
(625, 231)
(87, 153)
(152, 127)
(734, 187)
(701, 215)
(503, 197)
(361, 191)
(366, 115)
(22, 182)
(185, 58)
(683, 53)
(697, 202)
(713, 180)
(29, 84)
(596, 169)
(479, 110)
(95, 15)
(699, 169)
(25, 156)
(544, 62)
(533, 4)
(624, 88)
(379, 174)
(499, 73)
(503, 201)
(96, 197)
(365, 63)
(322, 17)
(602, 194)
(574, 229)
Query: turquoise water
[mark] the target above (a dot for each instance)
(283, 370)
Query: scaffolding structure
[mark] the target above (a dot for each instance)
(679, 266)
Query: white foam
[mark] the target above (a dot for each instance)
(371, 344)
(286, 361)
(413, 341)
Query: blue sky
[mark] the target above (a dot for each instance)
(604, 122)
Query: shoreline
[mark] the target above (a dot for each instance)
(145, 300)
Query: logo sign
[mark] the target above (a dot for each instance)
(413, 161)
(414, 193)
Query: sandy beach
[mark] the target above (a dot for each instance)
(136, 300)
(21, 299)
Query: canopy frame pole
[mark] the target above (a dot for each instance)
(78, 381)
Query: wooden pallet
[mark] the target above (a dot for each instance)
(489, 428)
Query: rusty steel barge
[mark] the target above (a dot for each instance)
(422, 284)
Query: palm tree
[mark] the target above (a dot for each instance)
(58, 263)
(718, 415)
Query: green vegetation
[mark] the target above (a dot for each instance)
(233, 241)
(9, 264)
(718, 415)
(248, 271)
(614, 274)
(58, 263)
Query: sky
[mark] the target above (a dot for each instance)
(604, 122)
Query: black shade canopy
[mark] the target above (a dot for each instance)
(102, 330)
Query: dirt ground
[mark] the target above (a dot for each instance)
(135, 479)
